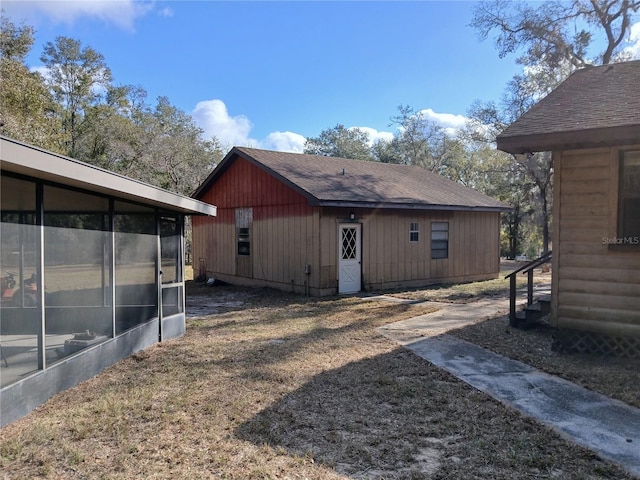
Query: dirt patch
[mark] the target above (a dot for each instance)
(209, 300)
(285, 387)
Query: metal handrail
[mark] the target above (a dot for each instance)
(528, 269)
(544, 258)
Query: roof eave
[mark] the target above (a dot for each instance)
(23, 159)
(412, 206)
(570, 140)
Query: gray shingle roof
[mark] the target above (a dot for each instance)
(594, 106)
(330, 181)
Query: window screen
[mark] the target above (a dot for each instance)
(414, 232)
(440, 240)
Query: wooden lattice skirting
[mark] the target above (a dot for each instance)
(576, 341)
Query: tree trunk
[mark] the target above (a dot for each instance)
(514, 227)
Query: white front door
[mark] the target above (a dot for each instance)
(349, 272)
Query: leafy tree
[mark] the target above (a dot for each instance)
(418, 141)
(160, 145)
(461, 164)
(109, 136)
(77, 111)
(554, 38)
(15, 41)
(25, 103)
(501, 176)
(537, 168)
(77, 77)
(179, 158)
(386, 151)
(557, 32)
(340, 142)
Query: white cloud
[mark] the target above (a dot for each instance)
(42, 70)
(235, 130)
(165, 12)
(448, 121)
(284, 142)
(213, 117)
(633, 50)
(375, 135)
(121, 13)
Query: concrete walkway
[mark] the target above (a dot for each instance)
(608, 427)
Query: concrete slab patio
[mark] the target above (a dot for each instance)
(607, 427)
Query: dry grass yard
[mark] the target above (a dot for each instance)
(267, 385)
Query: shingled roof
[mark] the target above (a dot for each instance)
(341, 182)
(594, 106)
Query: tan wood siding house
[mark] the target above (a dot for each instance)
(322, 225)
(591, 123)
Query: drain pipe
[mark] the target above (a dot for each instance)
(307, 272)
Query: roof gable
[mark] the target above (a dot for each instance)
(331, 181)
(594, 106)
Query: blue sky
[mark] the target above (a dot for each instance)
(268, 74)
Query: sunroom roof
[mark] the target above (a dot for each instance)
(28, 160)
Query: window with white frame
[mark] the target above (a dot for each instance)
(414, 232)
(439, 240)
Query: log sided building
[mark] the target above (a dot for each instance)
(591, 123)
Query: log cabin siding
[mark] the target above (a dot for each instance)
(595, 287)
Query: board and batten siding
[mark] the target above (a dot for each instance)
(390, 260)
(596, 287)
(284, 231)
(287, 234)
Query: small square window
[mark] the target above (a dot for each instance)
(414, 232)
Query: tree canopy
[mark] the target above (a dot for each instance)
(554, 32)
(340, 141)
(26, 104)
(75, 109)
(552, 38)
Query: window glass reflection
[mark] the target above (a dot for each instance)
(19, 302)
(78, 310)
(135, 276)
(172, 301)
(170, 248)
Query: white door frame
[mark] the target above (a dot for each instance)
(349, 257)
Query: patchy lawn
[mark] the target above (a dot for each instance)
(267, 385)
(469, 292)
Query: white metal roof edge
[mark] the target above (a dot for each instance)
(26, 159)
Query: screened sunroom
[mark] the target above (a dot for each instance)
(91, 270)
